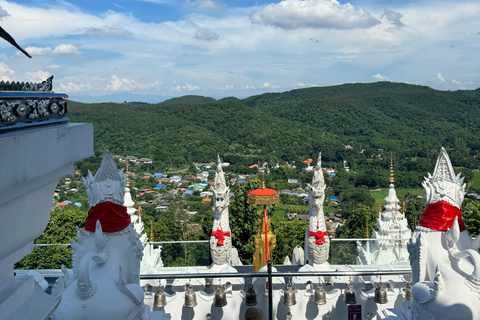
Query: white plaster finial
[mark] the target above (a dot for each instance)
(444, 185)
(318, 181)
(108, 184)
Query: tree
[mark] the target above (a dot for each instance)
(289, 235)
(414, 207)
(60, 229)
(244, 221)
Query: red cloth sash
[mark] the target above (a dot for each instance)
(439, 216)
(319, 236)
(220, 235)
(112, 216)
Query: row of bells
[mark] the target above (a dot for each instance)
(289, 298)
(380, 296)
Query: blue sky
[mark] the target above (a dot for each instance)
(157, 49)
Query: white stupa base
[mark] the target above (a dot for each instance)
(22, 299)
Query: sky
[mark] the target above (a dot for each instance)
(152, 50)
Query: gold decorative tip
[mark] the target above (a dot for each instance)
(263, 181)
(391, 178)
(128, 179)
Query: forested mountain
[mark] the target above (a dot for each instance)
(410, 120)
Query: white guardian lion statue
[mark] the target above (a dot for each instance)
(444, 258)
(104, 283)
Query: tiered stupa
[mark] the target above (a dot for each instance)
(391, 236)
(152, 259)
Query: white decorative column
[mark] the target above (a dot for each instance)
(33, 160)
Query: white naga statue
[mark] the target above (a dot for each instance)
(106, 256)
(444, 258)
(220, 240)
(317, 242)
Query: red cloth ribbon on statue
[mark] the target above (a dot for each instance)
(439, 216)
(319, 236)
(112, 216)
(220, 235)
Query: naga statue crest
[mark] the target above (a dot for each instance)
(317, 243)
(444, 185)
(108, 184)
(220, 240)
(444, 258)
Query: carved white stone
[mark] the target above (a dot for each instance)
(106, 266)
(221, 254)
(108, 184)
(445, 265)
(316, 253)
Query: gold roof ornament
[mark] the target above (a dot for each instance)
(263, 196)
(391, 178)
(128, 179)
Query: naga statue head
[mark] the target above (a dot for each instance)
(221, 193)
(316, 190)
(444, 185)
(108, 184)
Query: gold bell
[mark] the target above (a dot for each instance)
(160, 299)
(289, 296)
(220, 299)
(190, 298)
(380, 294)
(408, 292)
(319, 296)
(349, 295)
(251, 296)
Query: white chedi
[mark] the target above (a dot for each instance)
(151, 260)
(104, 283)
(392, 234)
(317, 242)
(444, 258)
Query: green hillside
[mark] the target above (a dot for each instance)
(412, 122)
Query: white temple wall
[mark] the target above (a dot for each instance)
(33, 161)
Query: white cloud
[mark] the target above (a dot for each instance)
(270, 85)
(208, 4)
(187, 87)
(66, 49)
(5, 72)
(37, 51)
(38, 76)
(127, 85)
(71, 87)
(440, 78)
(291, 14)
(106, 31)
(60, 49)
(54, 68)
(379, 77)
(206, 35)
